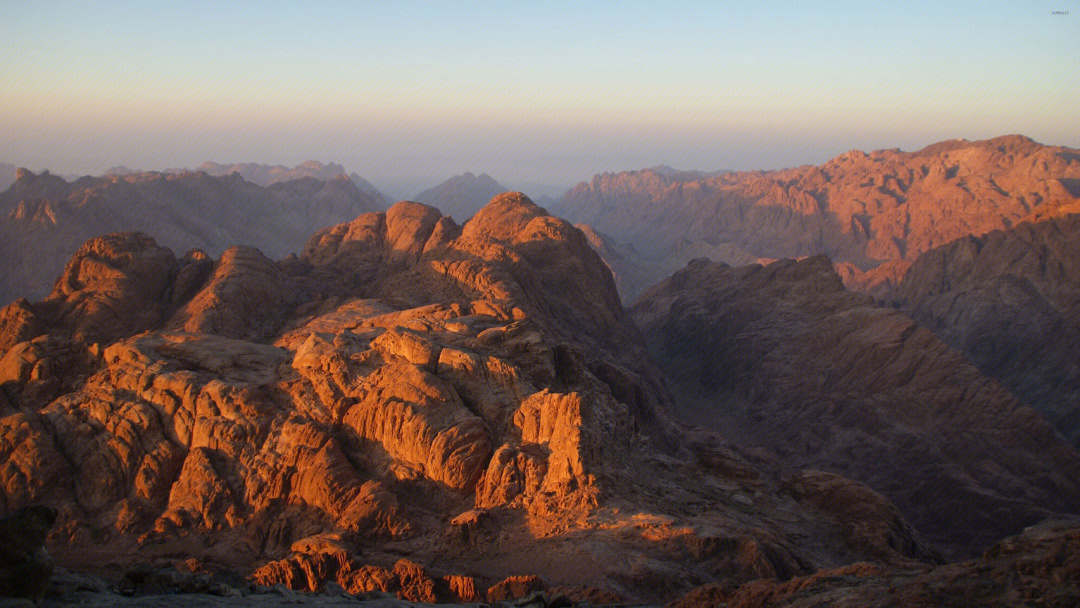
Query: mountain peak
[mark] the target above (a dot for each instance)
(462, 195)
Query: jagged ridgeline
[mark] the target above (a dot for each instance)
(466, 413)
(871, 213)
(44, 219)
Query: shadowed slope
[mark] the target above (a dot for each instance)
(1011, 301)
(782, 356)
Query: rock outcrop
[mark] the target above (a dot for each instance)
(247, 297)
(113, 287)
(782, 356)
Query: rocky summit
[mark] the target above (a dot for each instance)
(466, 413)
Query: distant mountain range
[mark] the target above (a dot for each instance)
(977, 241)
(861, 209)
(265, 175)
(461, 196)
(45, 219)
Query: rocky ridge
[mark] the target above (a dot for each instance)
(860, 209)
(783, 357)
(266, 175)
(44, 219)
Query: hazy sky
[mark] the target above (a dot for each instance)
(528, 92)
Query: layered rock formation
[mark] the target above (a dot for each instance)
(462, 195)
(44, 219)
(783, 357)
(1011, 301)
(862, 209)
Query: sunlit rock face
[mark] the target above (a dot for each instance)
(473, 398)
(871, 213)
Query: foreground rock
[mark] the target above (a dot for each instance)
(472, 398)
(783, 357)
(25, 565)
(1038, 567)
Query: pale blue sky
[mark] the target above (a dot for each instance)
(529, 92)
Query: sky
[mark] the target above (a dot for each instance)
(540, 93)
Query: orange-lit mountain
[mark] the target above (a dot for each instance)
(859, 209)
(462, 413)
(45, 219)
(461, 196)
(409, 405)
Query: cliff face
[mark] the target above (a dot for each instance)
(1010, 300)
(860, 209)
(783, 357)
(44, 219)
